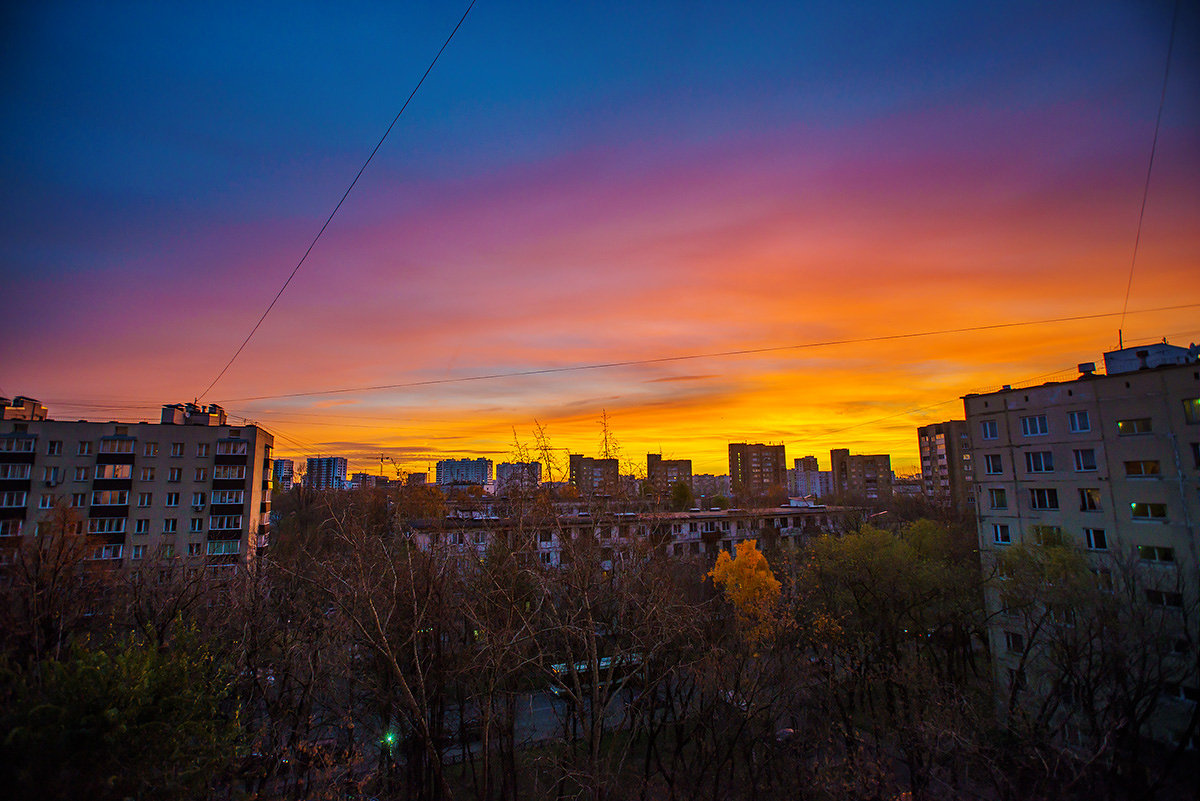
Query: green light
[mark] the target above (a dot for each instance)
(389, 738)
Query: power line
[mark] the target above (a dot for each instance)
(345, 194)
(1150, 167)
(712, 355)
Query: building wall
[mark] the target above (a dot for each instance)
(946, 473)
(861, 476)
(464, 471)
(590, 475)
(326, 473)
(526, 474)
(663, 473)
(144, 490)
(755, 468)
(282, 474)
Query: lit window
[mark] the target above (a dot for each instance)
(1085, 460)
(1135, 425)
(1096, 539)
(1148, 511)
(229, 471)
(988, 429)
(1079, 421)
(1142, 468)
(110, 498)
(1191, 411)
(122, 471)
(1034, 425)
(1089, 500)
(235, 448)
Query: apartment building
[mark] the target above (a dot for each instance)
(808, 480)
(283, 472)
(593, 476)
(867, 477)
(1109, 463)
(664, 473)
(518, 474)
(325, 473)
(464, 471)
(754, 468)
(947, 478)
(190, 486)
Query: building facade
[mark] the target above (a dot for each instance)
(326, 473)
(190, 487)
(662, 473)
(947, 477)
(464, 471)
(867, 477)
(754, 468)
(593, 476)
(808, 480)
(283, 472)
(518, 474)
(1110, 466)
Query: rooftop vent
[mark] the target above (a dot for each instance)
(1087, 368)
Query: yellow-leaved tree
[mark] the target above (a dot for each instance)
(750, 586)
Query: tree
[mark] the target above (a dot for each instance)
(682, 497)
(750, 586)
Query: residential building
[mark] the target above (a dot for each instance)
(190, 486)
(946, 475)
(864, 477)
(706, 485)
(1110, 464)
(808, 480)
(21, 408)
(464, 471)
(593, 476)
(518, 474)
(326, 473)
(755, 469)
(662, 473)
(283, 472)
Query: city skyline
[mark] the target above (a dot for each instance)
(574, 186)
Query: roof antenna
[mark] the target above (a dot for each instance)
(1120, 340)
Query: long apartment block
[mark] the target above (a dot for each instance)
(191, 486)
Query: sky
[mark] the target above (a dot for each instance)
(587, 183)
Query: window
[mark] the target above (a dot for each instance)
(16, 445)
(1104, 579)
(1191, 411)
(1169, 599)
(85, 448)
(1196, 454)
(1143, 468)
(114, 471)
(147, 474)
(1040, 498)
(139, 551)
(198, 499)
(1000, 534)
(194, 548)
(202, 449)
(172, 499)
(1155, 553)
(107, 525)
(1079, 421)
(1089, 499)
(223, 547)
(229, 471)
(150, 449)
(1048, 536)
(227, 448)
(1085, 460)
(480, 538)
(78, 500)
(12, 499)
(1135, 425)
(1034, 426)
(17, 472)
(81, 474)
(144, 499)
(196, 525)
(998, 498)
(116, 446)
(108, 552)
(1148, 511)
(988, 429)
(228, 496)
(50, 474)
(110, 498)
(141, 526)
(168, 550)
(177, 449)
(1039, 462)
(46, 501)
(201, 474)
(993, 464)
(175, 475)
(10, 528)
(54, 447)
(170, 525)
(1014, 642)
(1096, 540)
(225, 522)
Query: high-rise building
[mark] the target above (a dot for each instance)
(189, 487)
(1109, 464)
(868, 477)
(283, 472)
(464, 471)
(946, 475)
(518, 474)
(809, 480)
(754, 468)
(664, 473)
(589, 476)
(21, 408)
(326, 473)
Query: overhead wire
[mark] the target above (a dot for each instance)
(695, 356)
(345, 194)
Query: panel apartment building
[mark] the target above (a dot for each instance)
(1110, 463)
(755, 468)
(191, 486)
(946, 475)
(861, 476)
